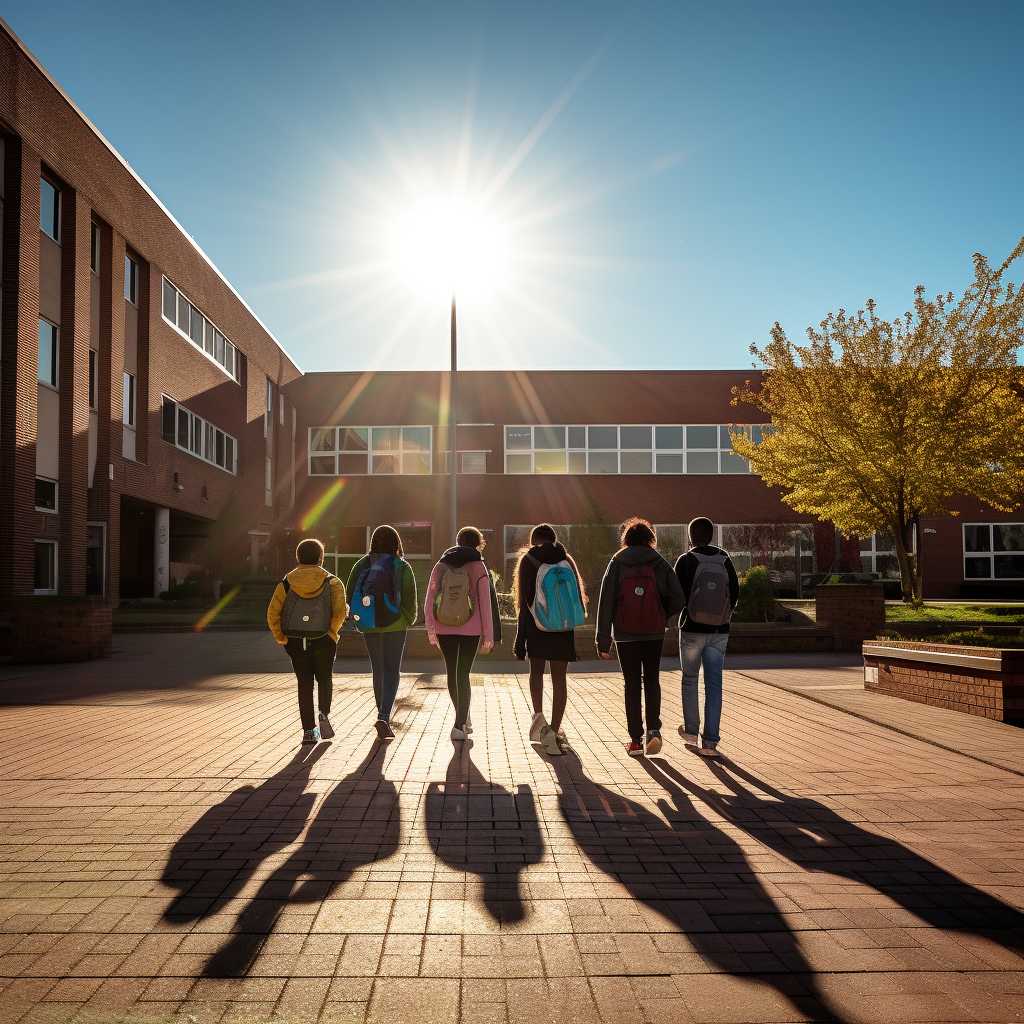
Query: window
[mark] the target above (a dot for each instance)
(92, 378)
(280, 404)
(270, 408)
(49, 351)
(131, 280)
(129, 399)
(46, 567)
(46, 494)
(878, 555)
(993, 551)
(186, 430)
(49, 209)
(94, 253)
(188, 321)
(474, 462)
(627, 449)
(269, 486)
(356, 451)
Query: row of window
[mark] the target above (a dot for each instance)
(186, 430)
(358, 451)
(993, 551)
(189, 321)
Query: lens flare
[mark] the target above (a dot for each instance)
(312, 517)
(218, 608)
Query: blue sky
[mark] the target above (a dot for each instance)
(674, 177)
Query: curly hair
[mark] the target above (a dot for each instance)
(637, 531)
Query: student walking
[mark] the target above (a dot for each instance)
(459, 617)
(711, 588)
(551, 601)
(305, 614)
(383, 589)
(639, 593)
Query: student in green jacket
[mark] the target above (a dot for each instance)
(383, 593)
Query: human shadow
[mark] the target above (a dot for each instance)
(357, 823)
(477, 826)
(812, 835)
(212, 862)
(696, 875)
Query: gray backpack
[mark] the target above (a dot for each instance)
(307, 618)
(710, 603)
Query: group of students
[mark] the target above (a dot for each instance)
(641, 593)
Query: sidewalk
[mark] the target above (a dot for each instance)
(171, 854)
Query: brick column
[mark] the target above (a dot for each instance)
(854, 612)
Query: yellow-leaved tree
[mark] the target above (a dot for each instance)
(880, 423)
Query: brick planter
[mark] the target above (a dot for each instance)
(60, 628)
(984, 681)
(853, 612)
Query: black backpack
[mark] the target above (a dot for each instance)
(307, 618)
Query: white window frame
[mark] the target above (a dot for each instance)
(131, 280)
(53, 385)
(58, 213)
(207, 432)
(872, 553)
(56, 567)
(235, 373)
(128, 404)
(95, 241)
(56, 497)
(370, 451)
(991, 554)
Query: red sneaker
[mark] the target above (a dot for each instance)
(635, 749)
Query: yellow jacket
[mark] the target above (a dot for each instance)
(306, 581)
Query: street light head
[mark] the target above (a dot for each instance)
(451, 245)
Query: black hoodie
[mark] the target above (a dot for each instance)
(526, 571)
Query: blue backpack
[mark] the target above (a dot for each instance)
(376, 599)
(557, 604)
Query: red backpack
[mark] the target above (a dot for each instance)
(640, 609)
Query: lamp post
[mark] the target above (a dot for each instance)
(453, 429)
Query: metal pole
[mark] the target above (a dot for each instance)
(452, 429)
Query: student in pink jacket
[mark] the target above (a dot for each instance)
(458, 617)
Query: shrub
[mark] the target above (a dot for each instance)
(757, 599)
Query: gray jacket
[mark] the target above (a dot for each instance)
(669, 590)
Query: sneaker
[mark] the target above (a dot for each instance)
(551, 744)
(654, 742)
(326, 729)
(635, 749)
(311, 735)
(707, 750)
(537, 727)
(687, 737)
(384, 730)
(468, 727)
(458, 734)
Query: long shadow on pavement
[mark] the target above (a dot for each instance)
(694, 874)
(477, 826)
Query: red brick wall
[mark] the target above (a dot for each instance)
(854, 613)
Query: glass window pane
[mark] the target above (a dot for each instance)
(669, 464)
(321, 465)
(725, 438)
(668, 437)
(548, 437)
(49, 209)
(635, 462)
(196, 327)
(518, 464)
(208, 442)
(352, 465)
(46, 494)
(386, 464)
(416, 462)
(549, 462)
(701, 437)
(354, 439)
(197, 435)
(976, 538)
(888, 566)
(208, 332)
(183, 313)
(603, 437)
(218, 346)
(386, 439)
(321, 439)
(865, 543)
(577, 462)
(48, 359)
(733, 463)
(602, 462)
(518, 437)
(183, 418)
(131, 280)
(229, 453)
(44, 565)
(755, 434)
(702, 462)
(1009, 567)
(167, 420)
(884, 542)
(220, 448)
(977, 568)
(865, 563)
(1008, 537)
(170, 300)
(416, 439)
(635, 437)
(577, 437)
(229, 357)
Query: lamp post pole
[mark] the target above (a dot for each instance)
(452, 430)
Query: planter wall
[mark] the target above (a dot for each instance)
(983, 681)
(54, 629)
(853, 612)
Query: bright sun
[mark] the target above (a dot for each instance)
(451, 245)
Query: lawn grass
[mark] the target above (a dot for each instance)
(1002, 613)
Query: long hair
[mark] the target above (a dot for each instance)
(542, 533)
(385, 541)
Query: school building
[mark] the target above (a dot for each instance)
(151, 427)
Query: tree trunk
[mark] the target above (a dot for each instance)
(909, 575)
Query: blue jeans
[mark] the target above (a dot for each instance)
(708, 649)
(385, 650)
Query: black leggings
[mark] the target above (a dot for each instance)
(558, 689)
(641, 658)
(459, 653)
(317, 660)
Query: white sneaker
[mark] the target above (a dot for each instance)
(458, 734)
(537, 727)
(468, 727)
(551, 744)
(326, 729)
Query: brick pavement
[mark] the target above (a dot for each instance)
(169, 853)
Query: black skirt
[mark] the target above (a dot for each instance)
(544, 646)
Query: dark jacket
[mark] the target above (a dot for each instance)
(406, 580)
(526, 572)
(671, 594)
(686, 569)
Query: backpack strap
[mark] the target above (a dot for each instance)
(287, 586)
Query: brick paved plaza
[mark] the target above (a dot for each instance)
(170, 853)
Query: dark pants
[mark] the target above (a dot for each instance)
(459, 652)
(385, 651)
(640, 661)
(316, 661)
